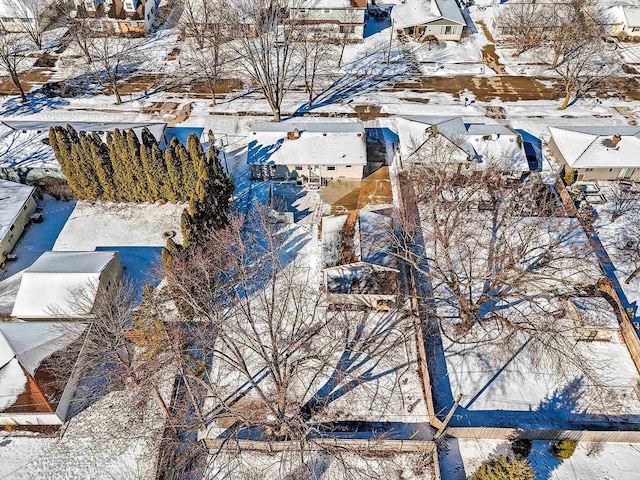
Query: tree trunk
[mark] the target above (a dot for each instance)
(117, 93)
(212, 90)
(276, 114)
(344, 45)
(16, 82)
(632, 276)
(165, 409)
(567, 97)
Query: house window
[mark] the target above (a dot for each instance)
(326, 10)
(448, 30)
(348, 166)
(331, 168)
(298, 167)
(635, 29)
(303, 10)
(611, 169)
(347, 28)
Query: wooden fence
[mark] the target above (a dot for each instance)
(567, 201)
(628, 332)
(622, 436)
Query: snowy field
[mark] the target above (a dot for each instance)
(614, 461)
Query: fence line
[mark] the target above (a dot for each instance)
(622, 436)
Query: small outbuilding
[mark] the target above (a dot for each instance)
(38, 371)
(65, 284)
(360, 267)
(17, 205)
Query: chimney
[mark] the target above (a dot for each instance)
(294, 135)
(615, 140)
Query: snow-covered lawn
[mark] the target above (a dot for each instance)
(116, 438)
(615, 461)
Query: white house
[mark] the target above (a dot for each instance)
(467, 146)
(624, 20)
(65, 284)
(360, 267)
(34, 389)
(597, 153)
(420, 18)
(333, 17)
(15, 14)
(309, 152)
(16, 207)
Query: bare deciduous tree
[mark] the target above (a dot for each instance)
(315, 54)
(35, 17)
(522, 24)
(496, 273)
(623, 200)
(267, 49)
(109, 57)
(12, 55)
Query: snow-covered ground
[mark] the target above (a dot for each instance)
(606, 461)
(116, 438)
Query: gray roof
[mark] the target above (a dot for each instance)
(331, 126)
(12, 197)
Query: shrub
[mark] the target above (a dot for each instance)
(569, 176)
(504, 468)
(564, 448)
(521, 447)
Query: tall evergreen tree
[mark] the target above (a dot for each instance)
(104, 170)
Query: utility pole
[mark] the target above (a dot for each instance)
(442, 429)
(393, 23)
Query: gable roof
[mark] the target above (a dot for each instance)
(319, 143)
(420, 12)
(591, 147)
(23, 349)
(51, 286)
(487, 144)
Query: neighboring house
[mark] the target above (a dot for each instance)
(65, 284)
(624, 21)
(360, 268)
(597, 153)
(421, 18)
(309, 152)
(594, 319)
(463, 146)
(120, 17)
(15, 14)
(336, 18)
(35, 388)
(25, 154)
(16, 207)
(198, 16)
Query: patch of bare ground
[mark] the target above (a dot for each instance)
(30, 80)
(369, 112)
(487, 32)
(491, 59)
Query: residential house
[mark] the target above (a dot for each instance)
(623, 21)
(15, 15)
(422, 18)
(120, 17)
(360, 269)
(308, 152)
(65, 284)
(16, 207)
(464, 146)
(597, 153)
(38, 371)
(336, 18)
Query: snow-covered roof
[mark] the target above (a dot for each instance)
(156, 128)
(13, 196)
(15, 9)
(595, 147)
(370, 239)
(322, 4)
(319, 143)
(23, 348)
(420, 12)
(488, 144)
(631, 15)
(61, 284)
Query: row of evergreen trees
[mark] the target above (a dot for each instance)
(120, 168)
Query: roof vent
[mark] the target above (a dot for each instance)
(616, 140)
(294, 135)
(612, 142)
